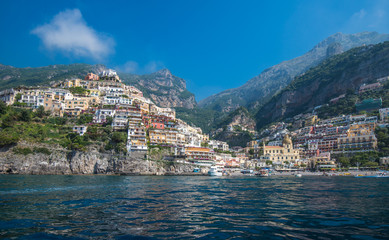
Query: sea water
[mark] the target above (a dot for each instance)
(181, 207)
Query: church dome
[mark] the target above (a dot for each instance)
(287, 140)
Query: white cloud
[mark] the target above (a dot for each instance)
(360, 15)
(69, 33)
(133, 67)
(370, 18)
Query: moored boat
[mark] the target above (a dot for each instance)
(215, 171)
(263, 173)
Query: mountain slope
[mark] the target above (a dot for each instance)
(165, 89)
(335, 76)
(13, 77)
(260, 88)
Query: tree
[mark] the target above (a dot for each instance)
(25, 115)
(40, 112)
(108, 121)
(7, 139)
(85, 118)
(3, 108)
(119, 137)
(251, 151)
(18, 97)
(345, 161)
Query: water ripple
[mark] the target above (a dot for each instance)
(119, 207)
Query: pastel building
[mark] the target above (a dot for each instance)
(281, 155)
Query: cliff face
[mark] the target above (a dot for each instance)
(61, 162)
(234, 128)
(243, 119)
(328, 80)
(262, 87)
(165, 89)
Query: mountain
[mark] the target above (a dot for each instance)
(236, 128)
(262, 87)
(12, 77)
(341, 74)
(165, 89)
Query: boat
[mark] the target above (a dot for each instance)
(263, 173)
(298, 175)
(247, 171)
(380, 175)
(215, 171)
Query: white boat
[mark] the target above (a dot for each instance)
(299, 175)
(215, 171)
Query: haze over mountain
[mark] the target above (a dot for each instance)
(262, 87)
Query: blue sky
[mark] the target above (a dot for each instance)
(214, 45)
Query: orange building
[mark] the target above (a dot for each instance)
(91, 76)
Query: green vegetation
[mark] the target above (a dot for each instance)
(366, 159)
(22, 151)
(7, 139)
(78, 91)
(235, 138)
(199, 117)
(37, 127)
(43, 76)
(85, 118)
(346, 105)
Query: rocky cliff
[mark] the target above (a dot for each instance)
(262, 87)
(336, 76)
(165, 89)
(61, 161)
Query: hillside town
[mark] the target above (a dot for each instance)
(126, 109)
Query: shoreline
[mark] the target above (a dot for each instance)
(232, 174)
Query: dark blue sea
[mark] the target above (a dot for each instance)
(180, 207)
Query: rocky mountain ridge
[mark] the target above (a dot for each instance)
(163, 88)
(335, 76)
(262, 87)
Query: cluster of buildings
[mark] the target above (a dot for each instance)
(318, 140)
(108, 99)
(126, 109)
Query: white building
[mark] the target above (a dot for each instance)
(384, 114)
(220, 145)
(102, 114)
(80, 129)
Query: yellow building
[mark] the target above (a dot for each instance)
(76, 105)
(199, 153)
(281, 155)
(71, 83)
(162, 136)
(56, 107)
(360, 137)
